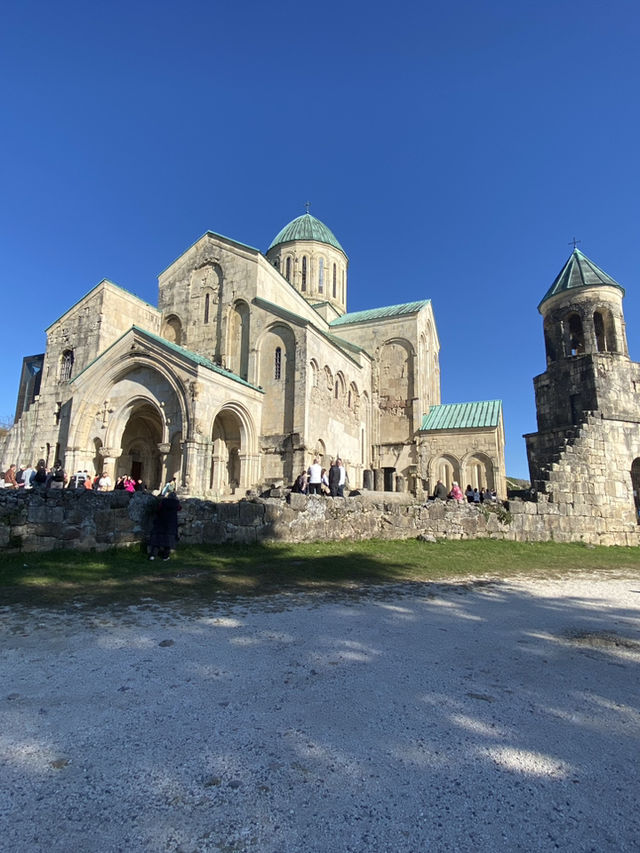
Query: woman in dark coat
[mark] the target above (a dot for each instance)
(164, 533)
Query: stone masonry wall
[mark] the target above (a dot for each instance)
(86, 520)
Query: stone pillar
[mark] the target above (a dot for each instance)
(367, 479)
(109, 456)
(193, 462)
(163, 449)
(400, 483)
(378, 480)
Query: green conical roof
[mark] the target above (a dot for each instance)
(579, 271)
(306, 227)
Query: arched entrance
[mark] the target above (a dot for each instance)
(226, 465)
(140, 456)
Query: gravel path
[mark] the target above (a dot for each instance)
(468, 717)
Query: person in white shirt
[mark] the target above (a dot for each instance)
(315, 478)
(27, 474)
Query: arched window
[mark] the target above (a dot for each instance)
(277, 363)
(334, 281)
(314, 374)
(287, 270)
(576, 335)
(66, 365)
(343, 295)
(320, 275)
(206, 308)
(304, 272)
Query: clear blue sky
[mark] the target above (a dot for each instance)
(454, 148)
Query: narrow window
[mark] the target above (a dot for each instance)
(288, 270)
(277, 366)
(343, 297)
(66, 365)
(321, 275)
(334, 281)
(337, 390)
(304, 272)
(206, 308)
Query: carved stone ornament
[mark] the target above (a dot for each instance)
(110, 452)
(164, 447)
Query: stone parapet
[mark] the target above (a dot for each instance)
(69, 520)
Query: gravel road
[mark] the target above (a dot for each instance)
(467, 717)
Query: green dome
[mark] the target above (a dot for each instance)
(306, 227)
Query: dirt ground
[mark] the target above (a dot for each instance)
(473, 716)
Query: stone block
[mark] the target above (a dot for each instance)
(251, 514)
(228, 513)
(298, 501)
(42, 513)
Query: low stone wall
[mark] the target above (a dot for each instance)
(48, 520)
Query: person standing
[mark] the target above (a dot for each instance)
(334, 478)
(315, 477)
(456, 493)
(27, 475)
(164, 534)
(342, 482)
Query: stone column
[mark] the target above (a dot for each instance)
(367, 479)
(163, 450)
(109, 456)
(193, 456)
(378, 480)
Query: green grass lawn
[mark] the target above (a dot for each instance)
(206, 572)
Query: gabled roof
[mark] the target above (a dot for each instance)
(579, 271)
(484, 413)
(217, 236)
(185, 353)
(105, 282)
(306, 227)
(380, 313)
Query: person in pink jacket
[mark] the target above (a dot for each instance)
(456, 493)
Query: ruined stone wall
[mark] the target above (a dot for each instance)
(86, 520)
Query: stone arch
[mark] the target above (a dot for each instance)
(238, 338)
(320, 452)
(279, 386)
(340, 386)
(573, 334)
(314, 372)
(105, 405)
(66, 365)
(478, 471)
(328, 378)
(172, 329)
(233, 453)
(396, 390)
(141, 442)
(604, 328)
(445, 467)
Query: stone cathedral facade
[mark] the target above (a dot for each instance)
(249, 367)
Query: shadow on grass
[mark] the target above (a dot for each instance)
(206, 572)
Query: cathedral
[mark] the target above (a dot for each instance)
(248, 368)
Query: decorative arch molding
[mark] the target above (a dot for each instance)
(238, 324)
(478, 470)
(172, 329)
(276, 365)
(96, 393)
(248, 430)
(445, 467)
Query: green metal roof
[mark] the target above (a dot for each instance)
(485, 413)
(380, 313)
(306, 227)
(579, 271)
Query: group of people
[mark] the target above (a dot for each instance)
(55, 477)
(471, 495)
(317, 480)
